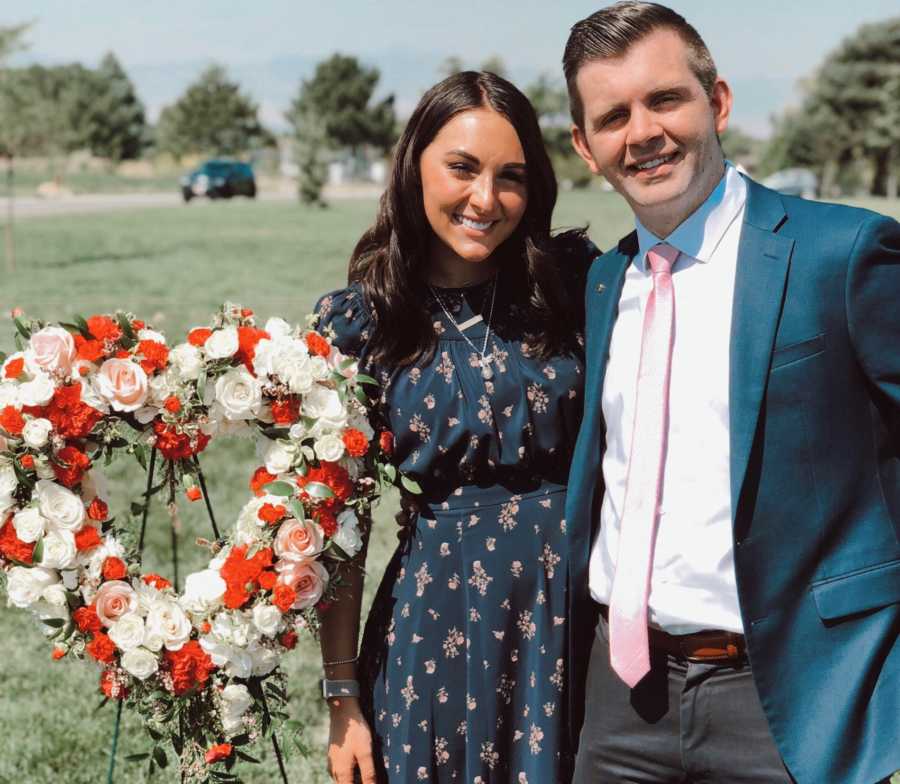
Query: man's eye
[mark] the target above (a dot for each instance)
(612, 119)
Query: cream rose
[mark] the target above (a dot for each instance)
(25, 585)
(59, 505)
(223, 343)
(52, 349)
(267, 619)
(36, 432)
(279, 457)
(127, 632)
(330, 448)
(167, 621)
(308, 579)
(325, 404)
(278, 328)
(236, 700)
(203, 591)
(140, 663)
(239, 394)
(264, 660)
(187, 360)
(38, 391)
(59, 550)
(299, 540)
(55, 596)
(123, 383)
(30, 524)
(113, 600)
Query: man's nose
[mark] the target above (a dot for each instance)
(643, 128)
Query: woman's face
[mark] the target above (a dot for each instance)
(474, 187)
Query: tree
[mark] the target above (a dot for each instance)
(451, 65)
(740, 147)
(211, 117)
(333, 111)
(118, 128)
(494, 64)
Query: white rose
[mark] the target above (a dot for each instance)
(187, 361)
(59, 550)
(300, 379)
(297, 431)
(38, 391)
(319, 368)
(55, 595)
(236, 662)
(168, 621)
(8, 480)
(348, 537)
(263, 356)
(90, 394)
(30, 524)
(264, 660)
(151, 334)
(59, 505)
(278, 328)
(290, 354)
(236, 700)
(279, 457)
(9, 394)
(140, 663)
(267, 619)
(330, 448)
(223, 343)
(127, 632)
(239, 394)
(37, 432)
(324, 403)
(25, 585)
(203, 591)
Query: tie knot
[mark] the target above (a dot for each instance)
(661, 257)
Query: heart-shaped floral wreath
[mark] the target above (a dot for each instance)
(201, 667)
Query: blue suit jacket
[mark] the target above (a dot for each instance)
(815, 474)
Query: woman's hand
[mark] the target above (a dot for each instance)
(349, 743)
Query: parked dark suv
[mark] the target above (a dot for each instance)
(219, 180)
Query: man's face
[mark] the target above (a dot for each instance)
(651, 130)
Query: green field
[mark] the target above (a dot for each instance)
(172, 267)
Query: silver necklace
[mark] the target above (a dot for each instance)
(484, 360)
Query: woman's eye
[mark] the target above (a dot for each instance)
(460, 168)
(515, 176)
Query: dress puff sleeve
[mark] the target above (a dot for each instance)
(344, 317)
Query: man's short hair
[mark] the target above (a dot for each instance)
(611, 31)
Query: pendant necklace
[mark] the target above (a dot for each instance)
(484, 360)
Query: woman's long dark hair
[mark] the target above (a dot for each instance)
(387, 261)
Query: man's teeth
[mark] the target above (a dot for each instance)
(652, 164)
(474, 224)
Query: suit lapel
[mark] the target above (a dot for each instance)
(762, 268)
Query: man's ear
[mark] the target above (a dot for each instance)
(721, 101)
(579, 142)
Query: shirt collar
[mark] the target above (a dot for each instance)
(700, 233)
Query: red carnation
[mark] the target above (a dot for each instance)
(260, 479)
(114, 568)
(287, 411)
(102, 648)
(241, 574)
(88, 350)
(190, 667)
(289, 640)
(175, 445)
(317, 344)
(156, 581)
(70, 417)
(248, 337)
(98, 510)
(87, 538)
(58, 653)
(71, 465)
(172, 404)
(332, 475)
(193, 493)
(14, 367)
(327, 519)
(155, 355)
(11, 421)
(356, 443)
(104, 328)
(283, 597)
(12, 547)
(137, 325)
(27, 461)
(386, 442)
(246, 312)
(197, 337)
(267, 580)
(111, 685)
(87, 620)
(217, 753)
(272, 514)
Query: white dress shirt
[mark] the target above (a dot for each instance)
(692, 584)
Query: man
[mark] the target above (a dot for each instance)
(739, 458)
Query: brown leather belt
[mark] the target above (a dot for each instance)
(706, 647)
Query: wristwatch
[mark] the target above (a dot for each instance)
(346, 688)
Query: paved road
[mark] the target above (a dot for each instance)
(34, 207)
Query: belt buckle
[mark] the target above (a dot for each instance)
(714, 654)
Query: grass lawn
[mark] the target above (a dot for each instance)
(172, 267)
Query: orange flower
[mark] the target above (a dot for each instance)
(98, 510)
(156, 581)
(87, 620)
(114, 569)
(11, 421)
(197, 337)
(102, 648)
(317, 344)
(27, 461)
(283, 597)
(87, 538)
(172, 404)
(221, 751)
(14, 367)
(103, 328)
(12, 547)
(272, 514)
(155, 355)
(193, 493)
(260, 478)
(71, 466)
(58, 653)
(355, 441)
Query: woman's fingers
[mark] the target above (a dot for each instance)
(367, 768)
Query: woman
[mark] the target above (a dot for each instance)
(467, 312)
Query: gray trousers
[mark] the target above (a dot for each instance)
(684, 723)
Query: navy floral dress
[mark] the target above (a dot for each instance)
(465, 656)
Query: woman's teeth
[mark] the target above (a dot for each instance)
(472, 224)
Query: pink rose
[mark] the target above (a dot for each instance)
(123, 383)
(52, 349)
(307, 578)
(113, 600)
(298, 540)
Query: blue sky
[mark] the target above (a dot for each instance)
(764, 47)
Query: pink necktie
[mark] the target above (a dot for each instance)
(629, 646)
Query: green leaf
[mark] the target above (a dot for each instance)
(362, 378)
(410, 484)
(137, 757)
(297, 509)
(361, 395)
(140, 454)
(390, 471)
(83, 327)
(3, 356)
(127, 331)
(318, 490)
(246, 757)
(285, 489)
(201, 383)
(37, 554)
(159, 757)
(22, 329)
(55, 623)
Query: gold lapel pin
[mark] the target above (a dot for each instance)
(601, 287)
